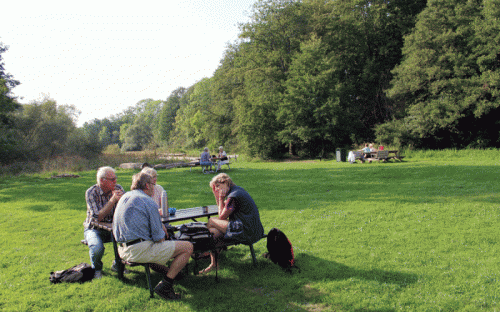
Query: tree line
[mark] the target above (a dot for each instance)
(307, 77)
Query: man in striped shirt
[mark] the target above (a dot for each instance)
(101, 201)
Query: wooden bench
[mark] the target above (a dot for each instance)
(226, 162)
(358, 155)
(148, 275)
(377, 155)
(252, 251)
(381, 155)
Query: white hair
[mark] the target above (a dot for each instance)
(150, 171)
(102, 172)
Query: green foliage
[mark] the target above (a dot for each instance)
(168, 114)
(193, 126)
(9, 147)
(311, 113)
(83, 144)
(44, 128)
(304, 77)
(113, 149)
(449, 79)
(135, 137)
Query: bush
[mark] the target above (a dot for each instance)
(112, 149)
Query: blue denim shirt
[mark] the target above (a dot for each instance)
(136, 216)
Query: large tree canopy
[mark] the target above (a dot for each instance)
(449, 79)
(8, 104)
(310, 76)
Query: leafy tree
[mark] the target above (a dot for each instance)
(269, 43)
(44, 128)
(363, 41)
(192, 127)
(312, 114)
(8, 105)
(448, 80)
(137, 136)
(168, 114)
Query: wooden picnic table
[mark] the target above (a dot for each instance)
(191, 213)
(385, 156)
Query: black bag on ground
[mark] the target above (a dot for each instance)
(77, 274)
(197, 233)
(280, 249)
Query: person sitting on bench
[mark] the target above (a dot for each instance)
(140, 235)
(205, 158)
(239, 219)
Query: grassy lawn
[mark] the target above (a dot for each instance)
(420, 235)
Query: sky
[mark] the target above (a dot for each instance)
(105, 56)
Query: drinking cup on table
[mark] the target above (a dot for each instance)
(205, 209)
(171, 211)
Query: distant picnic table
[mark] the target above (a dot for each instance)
(383, 155)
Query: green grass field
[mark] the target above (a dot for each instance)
(421, 235)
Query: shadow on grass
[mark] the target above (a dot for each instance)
(268, 287)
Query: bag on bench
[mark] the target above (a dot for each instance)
(197, 233)
(280, 249)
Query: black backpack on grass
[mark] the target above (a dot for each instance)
(280, 249)
(77, 274)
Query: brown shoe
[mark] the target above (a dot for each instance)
(166, 291)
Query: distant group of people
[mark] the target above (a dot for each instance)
(142, 237)
(207, 160)
(367, 150)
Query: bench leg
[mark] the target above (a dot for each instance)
(252, 252)
(150, 285)
(118, 261)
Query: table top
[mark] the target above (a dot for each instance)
(191, 213)
(389, 151)
(180, 214)
(102, 225)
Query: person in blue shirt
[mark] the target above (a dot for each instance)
(205, 158)
(140, 234)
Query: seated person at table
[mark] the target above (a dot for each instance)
(223, 160)
(372, 149)
(205, 158)
(222, 155)
(366, 150)
(158, 189)
(239, 219)
(101, 201)
(140, 235)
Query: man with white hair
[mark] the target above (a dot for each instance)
(140, 235)
(101, 201)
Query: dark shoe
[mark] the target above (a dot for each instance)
(166, 291)
(179, 276)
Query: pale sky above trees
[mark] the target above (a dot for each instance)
(104, 56)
